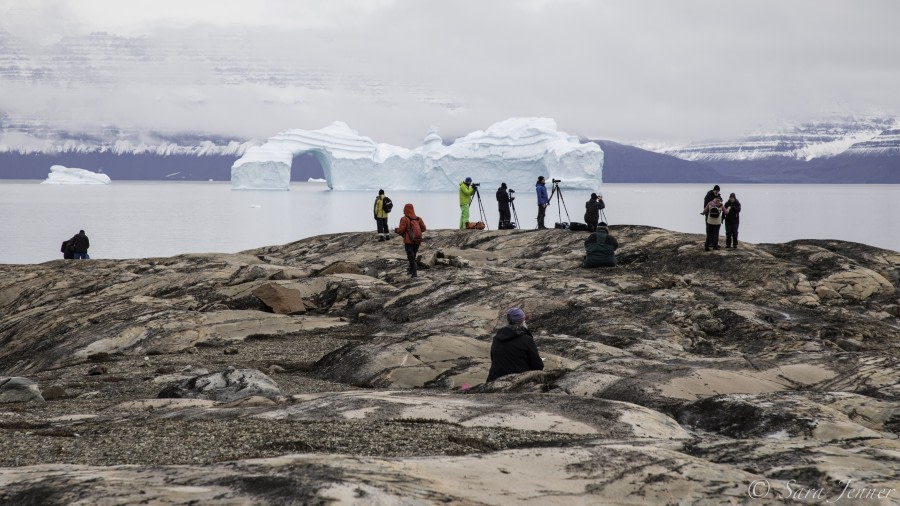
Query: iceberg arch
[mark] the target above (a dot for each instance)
(515, 151)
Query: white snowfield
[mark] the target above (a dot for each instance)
(67, 175)
(515, 151)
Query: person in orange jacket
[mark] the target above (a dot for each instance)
(411, 229)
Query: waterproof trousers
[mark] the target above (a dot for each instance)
(463, 216)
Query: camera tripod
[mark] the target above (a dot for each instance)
(512, 207)
(560, 201)
(480, 207)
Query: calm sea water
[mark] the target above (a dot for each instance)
(153, 219)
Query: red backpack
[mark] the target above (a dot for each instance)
(413, 230)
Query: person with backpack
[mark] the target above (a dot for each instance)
(466, 190)
(600, 248)
(543, 200)
(513, 349)
(732, 220)
(592, 211)
(383, 207)
(67, 250)
(503, 200)
(714, 212)
(80, 245)
(411, 229)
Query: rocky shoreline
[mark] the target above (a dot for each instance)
(317, 371)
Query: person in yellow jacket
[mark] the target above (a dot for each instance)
(381, 210)
(466, 190)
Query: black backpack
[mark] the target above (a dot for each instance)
(386, 205)
(714, 212)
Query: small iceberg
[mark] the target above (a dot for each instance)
(67, 175)
(315, 180)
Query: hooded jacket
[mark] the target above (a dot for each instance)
(601, 249)
(733, 211)
(716, 202)
(80, 243)
(513, 351)
(379, 207)
(409, 214)
(541, 189)
(592, 211)
(465, 193)
(503, 199)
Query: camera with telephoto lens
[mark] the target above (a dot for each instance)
(512, 191)
(557, 180)
(476, 185)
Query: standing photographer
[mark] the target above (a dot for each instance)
(466, 190)
(592, 211)
(503, 200)
(543, 200)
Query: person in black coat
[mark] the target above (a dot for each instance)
(80, 245)
(600, 248)
(732, 221)
(503, 200)
(592, 211)
(513, 349)
(710, 195)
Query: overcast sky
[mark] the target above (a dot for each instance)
(668, 71)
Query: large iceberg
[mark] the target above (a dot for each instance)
(67, 175)
(515, 151)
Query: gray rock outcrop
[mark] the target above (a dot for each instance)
(680, 376)
(17, 389)
(224, 386)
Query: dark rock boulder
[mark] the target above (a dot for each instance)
(225, 386)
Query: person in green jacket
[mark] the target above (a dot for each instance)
(601, 248)
(466, 190)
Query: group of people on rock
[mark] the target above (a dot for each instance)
(715, 212)
(76, 248)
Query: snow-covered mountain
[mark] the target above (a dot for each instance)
(843, 150)
(801, 142)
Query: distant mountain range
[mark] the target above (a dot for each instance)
(848, 150)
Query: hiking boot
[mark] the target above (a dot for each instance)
(706, 248)
(716, 247)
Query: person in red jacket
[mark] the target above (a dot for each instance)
(411, 229)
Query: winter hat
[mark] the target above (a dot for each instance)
(381, 192)
(502, 185)
(716, 188)
(468, 180)
(732, 196)
(540, 179)
(593, 196)
(515, 315)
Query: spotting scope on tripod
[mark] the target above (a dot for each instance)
(560, 201)
(481, 212)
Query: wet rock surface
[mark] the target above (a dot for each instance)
(319, 371)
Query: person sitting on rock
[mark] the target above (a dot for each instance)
(411, 229)
(80, 245)
(600, 248)
(513, 349)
